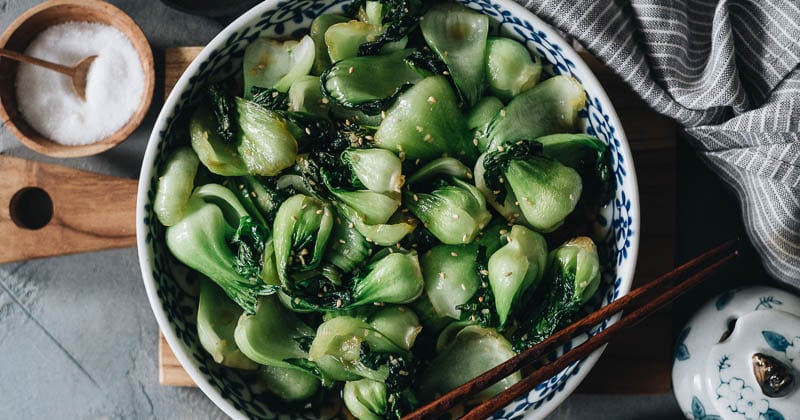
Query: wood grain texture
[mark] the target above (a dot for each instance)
(170, 371)
(91, 212)
(176, 62)
(639, 360)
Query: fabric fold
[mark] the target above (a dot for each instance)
(728, 72)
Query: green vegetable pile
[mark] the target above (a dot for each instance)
(382, 204)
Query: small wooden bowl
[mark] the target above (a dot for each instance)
(26, 27)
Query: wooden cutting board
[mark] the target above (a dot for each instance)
(638, 362)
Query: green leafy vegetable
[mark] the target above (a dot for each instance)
(376, 169)
(369, 83)
(572, 277)
(175, 186)
(219, 157)
(265, 143)
(301, 230)
(250, 239)
(224, 111)
(451, 277)
(509, 67)
(272, 336)
(458, 35)
(590, 158)
(200, 240)
(527, 187)
(473, 351)
(268, 98)
(516, 269)
(320, 25)
(425, 123)
(454, 211)
(274, 64)
(555, 102)
(288, 383)
(217, 316)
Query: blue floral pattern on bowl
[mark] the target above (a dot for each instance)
(173, 290)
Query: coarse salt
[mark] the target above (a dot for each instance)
(114, 85)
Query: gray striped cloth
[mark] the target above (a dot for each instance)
(728, 72)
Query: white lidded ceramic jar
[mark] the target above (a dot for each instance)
(739, 357)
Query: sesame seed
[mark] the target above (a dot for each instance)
(503, 231)
(501, 148)
(383, 114)
(241, 186)
(350, 225)
(455, 217)
(419, 128)
(469, 175)
(308, 130)
(455, 254)
(475, 141)
(480, 299)
(294, 218)
(318, 211)
(485, 272)
(496, 192)
(416, 198)
(485, 311)
(253, 194)
(502, 112)
(342, 241)
(431, 100)
(442, 275)
(428, 138)
(351, 70)
(508, 273)
(464, 238)
(446, 73)
(463, 287)
(326, 101)
(338, 303)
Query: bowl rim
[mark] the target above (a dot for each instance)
(148, 167)
(137, 38)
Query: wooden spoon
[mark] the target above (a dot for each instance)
(48, 210)
(77, 73)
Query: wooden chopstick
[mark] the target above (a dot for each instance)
(631, 300)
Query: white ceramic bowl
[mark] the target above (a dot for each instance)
(173, 293)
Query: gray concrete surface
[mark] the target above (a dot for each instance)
(77, 336)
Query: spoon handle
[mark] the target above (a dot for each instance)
(69, 71)
(48, 210)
